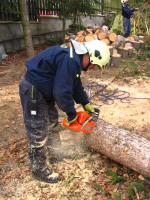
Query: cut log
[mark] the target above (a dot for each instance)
(105, 28)
(88, 31)
(81, 33)
(95, 28)
(130, 38)
(115, 60)
(95, 36)
(120, 38)
(118, 44)
(89, 38)
(136, 38)
(122, 146)
(102, 35)
(112, 37)
(67, 37)
(141, 37)
(128, 44)
(80, 38)
(106, 41)
(98, 30)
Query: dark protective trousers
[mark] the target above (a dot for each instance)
(126, 26)
(42, 129)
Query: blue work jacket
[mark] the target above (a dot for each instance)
(126, 11)
(56, 73)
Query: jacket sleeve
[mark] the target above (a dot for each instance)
(79, 94)
(63, 84)
(127, 10)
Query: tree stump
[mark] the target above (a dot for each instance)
(115, 60)
(135, 44)
(123, 52)
(120, 145)
(128, 44)
(111, 49)
(109, 64)
(142, 44)
(130, 51)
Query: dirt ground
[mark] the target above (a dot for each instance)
(81, 176)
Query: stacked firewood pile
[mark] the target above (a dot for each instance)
(120, 47)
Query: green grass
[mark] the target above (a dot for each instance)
(140, 187)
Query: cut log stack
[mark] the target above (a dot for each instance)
(124, 46)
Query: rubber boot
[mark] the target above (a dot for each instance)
(40, 170)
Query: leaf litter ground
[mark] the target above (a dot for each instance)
(88, 175)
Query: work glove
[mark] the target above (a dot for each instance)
(71, 117)
(89, 108)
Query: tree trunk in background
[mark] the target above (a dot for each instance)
(120, 145)
(26, 29)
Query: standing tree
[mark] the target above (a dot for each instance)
(26, 29)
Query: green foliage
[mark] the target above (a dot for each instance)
(147, 41)
(140, 22)
(8, 8)
(140, 187)
(116, 178)
(117, 197)
(76, 27)
(142, 19)
(117, 25)
(97, 186)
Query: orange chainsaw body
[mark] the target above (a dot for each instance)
(82, 116)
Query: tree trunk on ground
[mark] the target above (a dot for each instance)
(26, 29)
(120, 145)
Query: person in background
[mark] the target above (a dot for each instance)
(53, 77)
(126, 13)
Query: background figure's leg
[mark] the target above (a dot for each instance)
(125, 27)
(129, 27)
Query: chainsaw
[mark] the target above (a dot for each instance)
(84, 122)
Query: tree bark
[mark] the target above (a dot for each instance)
(115, 60)
(120, 145)
(26, 29)
(123, 52)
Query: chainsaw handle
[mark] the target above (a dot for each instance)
(96, 114)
